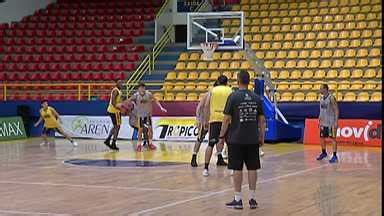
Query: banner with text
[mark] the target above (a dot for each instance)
(357, 132)
(96, 127)
(11, 128)
(175, 128)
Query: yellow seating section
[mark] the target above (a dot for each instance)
(302, 44)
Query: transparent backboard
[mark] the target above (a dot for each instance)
(225, 28)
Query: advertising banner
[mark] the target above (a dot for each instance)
(11, 128)
(355, 132)
(96, 127)
(175, 128)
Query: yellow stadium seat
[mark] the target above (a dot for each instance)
(316, 86)
(304, 54)
(376, 96)
(307, 28)
(296, 74)
(214, 75)
(303, 5)
(169, 97)
(273, 74)
(361, 25)
(287, 45)
(171, 76)
(298, 45)
(247, 37)
(311, 96)
(344, 74)
(377, 42)
(226, 22)
(317, 27)
(306, 86)
(332, 85)
(375, 52)
(349, 97)
(265, 29)
(355, 43)
(332, 74)
(338, 53)
(337, 63)
(328, 27)
(212, 65)
(265, 46)
(290, 64)
(228, 74)
(257, 37)
(325, 64)
(181, 96)
(379, 86)
(182, 76)
(350, 26)
(167, 86)
(276, 45)
(369, 85)
(298, 96)
(255, 46)
(307, 19)
(319, 74)
(377, 33)
(321, 44)
(313, 64)
(286, 96)
(192, 97)
(259, 55)
(204, 76)
(190, 86)
(234, 65)
(332, 44)
(201, 66)
(357, 74)
(245, 65)
(216, 56)
(362, 63)
(374, 62)
(302, 64)
(183, 57)
(369, 73)
(280, 64)
(269, 55)
(226, 56)
(224, 65)
(296, 28)
(237, 56)
(373, 24)
(275, 28)
(285, 28)
(366, 34)
(190, 66)
(363, 97)
(339, 26)
(201, 87)
(333, 35)
(194, 57)
(356, 85)
(350, 63)
(344, 35)
(283, 74)
(362, 53)
(178, 86)
(367, 43)
(379, 74)
(159, 96)
(193, 76)
(268, 64)
(281, 54)
(315, 54)
(343, 43)
(307, 74)
(343, 85)
(282, 86)
(351, 53)
(299, 36)
(294, 86)
(180, 66)
(286, 20)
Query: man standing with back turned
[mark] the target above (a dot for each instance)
(243, 112)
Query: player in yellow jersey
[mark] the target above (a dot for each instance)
(51, 121)
(114, 112)
(214, 116)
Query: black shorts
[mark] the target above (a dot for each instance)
(47, 131)
(214, 133)
(327, 132)
(202, 133)
(116, 118)
(145, 121)
(239, 154)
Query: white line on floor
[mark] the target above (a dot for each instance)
(224, 191)
(31, 213)
(97, 186)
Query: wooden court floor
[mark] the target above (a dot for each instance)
(35, 181)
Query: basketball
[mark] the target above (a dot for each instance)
(125, 107)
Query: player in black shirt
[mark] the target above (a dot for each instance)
(243, 129)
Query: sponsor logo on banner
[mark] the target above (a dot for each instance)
(349, 132)
(97, 127)
(177, 128)
(11, 128)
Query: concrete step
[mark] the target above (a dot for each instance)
(144, 39)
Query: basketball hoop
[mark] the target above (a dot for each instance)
(208, 50)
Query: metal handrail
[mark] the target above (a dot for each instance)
(161, 11)
(144, 67)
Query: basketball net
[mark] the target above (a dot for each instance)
(208, 50)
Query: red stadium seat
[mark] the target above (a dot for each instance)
(34, 76)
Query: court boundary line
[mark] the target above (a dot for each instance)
(224, 191)
(100, 187)
(34, 213)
